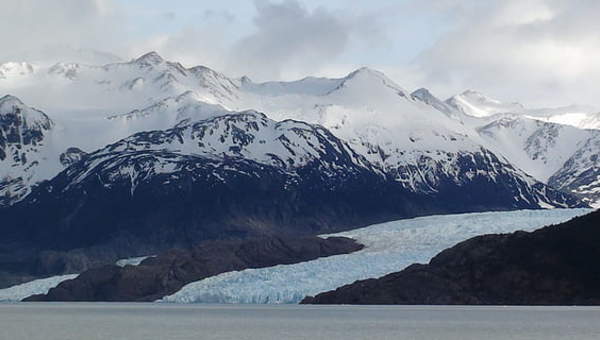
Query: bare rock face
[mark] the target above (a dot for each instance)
(555, 265)
(163, 275)
(71, 156)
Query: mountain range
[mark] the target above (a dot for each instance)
(130, 158)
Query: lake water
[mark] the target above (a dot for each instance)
(90, 321)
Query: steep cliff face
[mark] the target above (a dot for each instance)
(555, 265)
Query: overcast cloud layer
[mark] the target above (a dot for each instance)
(540, 52)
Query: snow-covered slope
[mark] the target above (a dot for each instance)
(476, 104)
(583, 117)
(428, 98)
(537, 147)
(94, 91)
(563, 156)
(389, 247)
(422, 142)
(414, 137)
(581, 172)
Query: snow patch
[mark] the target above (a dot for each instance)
(132, 261)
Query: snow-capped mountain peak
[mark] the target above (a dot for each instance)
(476, 104)
(12, 107)
(9, 100)
(365, 78)
(169, 112)
(425, 96)
(150, 58)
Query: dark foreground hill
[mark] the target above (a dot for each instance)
(165, 274)
(555, 265)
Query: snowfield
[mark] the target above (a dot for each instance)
(390, 247)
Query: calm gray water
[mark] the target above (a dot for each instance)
(66, 321)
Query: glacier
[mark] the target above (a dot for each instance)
(41, 286)
(389, 247)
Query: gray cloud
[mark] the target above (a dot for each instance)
(288, 37)
(33, 30)
(226, 16)
(537, 51)
(286, 40)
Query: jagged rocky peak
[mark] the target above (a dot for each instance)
(245, 80)
(425, 96)
(71, 156)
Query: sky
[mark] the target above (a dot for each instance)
(538, 52)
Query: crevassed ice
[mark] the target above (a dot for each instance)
(390, 247)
